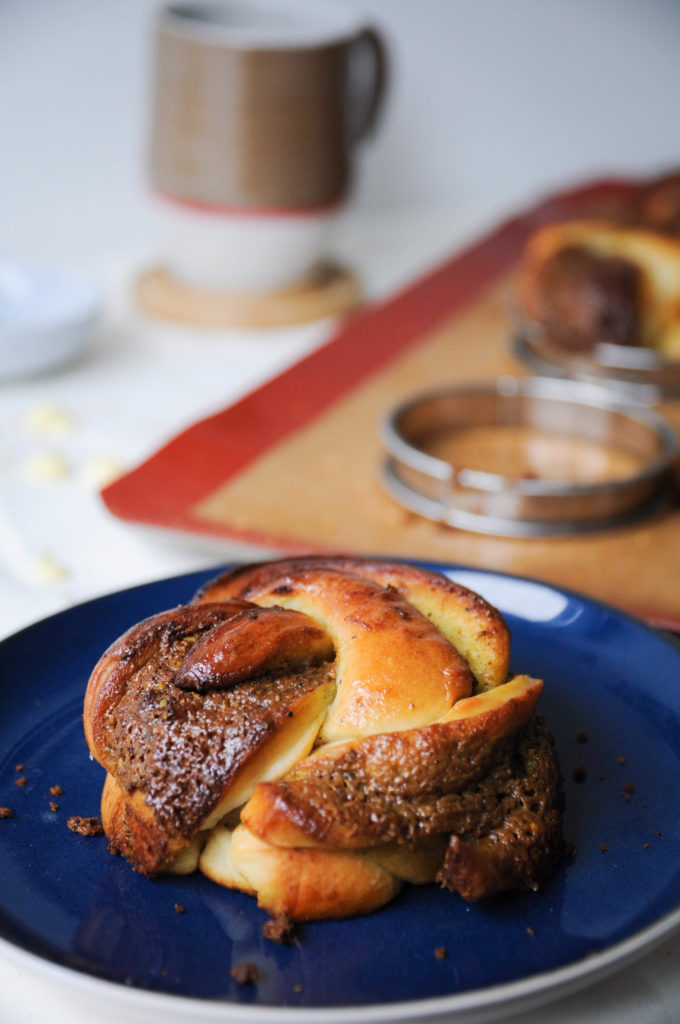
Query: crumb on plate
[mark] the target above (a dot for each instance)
(244, 974)
(278, 929)
(85, 826)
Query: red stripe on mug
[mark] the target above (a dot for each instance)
(251, 211)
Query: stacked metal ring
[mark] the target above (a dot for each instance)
(634, 370)
(507, 505)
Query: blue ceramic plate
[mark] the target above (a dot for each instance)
(69, 908)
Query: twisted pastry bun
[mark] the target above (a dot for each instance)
(658, 205)
(594, 281)
(317, 731)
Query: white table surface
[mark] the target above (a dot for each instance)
(138, 384)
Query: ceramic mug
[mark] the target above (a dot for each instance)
(258, 106)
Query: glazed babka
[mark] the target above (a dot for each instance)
(588, 282)
(318, 731)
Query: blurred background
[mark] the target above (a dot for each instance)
(491, 103)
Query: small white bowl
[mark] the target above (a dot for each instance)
(46, 316)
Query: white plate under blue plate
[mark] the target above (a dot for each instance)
(46, 316)
(70, 910)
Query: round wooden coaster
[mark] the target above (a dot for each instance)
(330, 290)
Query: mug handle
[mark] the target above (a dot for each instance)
(370, 106)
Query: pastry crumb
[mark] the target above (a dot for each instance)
(179, 909)
(85, 826)
(441, 952)
(54, 807)
(21, 781)
(278, 929)
(244, 974)
(56, 791)
(6, 812)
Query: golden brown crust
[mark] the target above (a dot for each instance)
(382, 642)
(477, 629)
(133, 650)
(257, 641)
(131, 828)
(395, 787)
(176, 753)
(523, 847)
(132, 831)
(311, 884)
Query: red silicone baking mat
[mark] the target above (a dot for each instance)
(292, 465)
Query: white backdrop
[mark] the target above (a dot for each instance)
(492, 102)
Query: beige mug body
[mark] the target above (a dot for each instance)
(257, 109)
